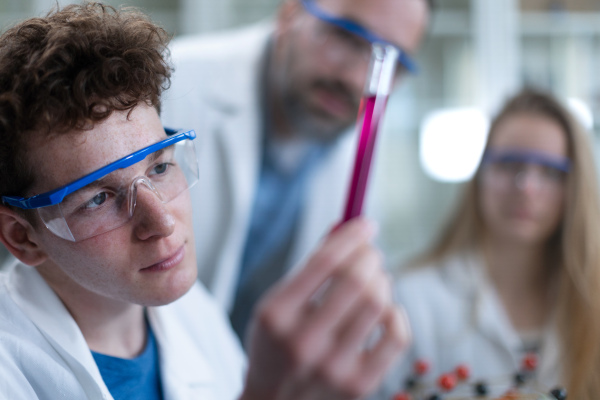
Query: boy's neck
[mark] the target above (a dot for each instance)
(110, 327)
(120, 335)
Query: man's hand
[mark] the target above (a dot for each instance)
(330, 331)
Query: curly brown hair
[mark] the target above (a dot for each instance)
(70, 70)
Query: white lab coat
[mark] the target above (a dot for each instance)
(457, 318)
(215, 90)
(43, 354)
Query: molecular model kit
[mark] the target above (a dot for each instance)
(458, 385)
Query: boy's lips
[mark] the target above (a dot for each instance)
(167, 263)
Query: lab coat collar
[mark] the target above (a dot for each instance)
(185, 373)
(39, 302)
(239, 137)
(467, 274)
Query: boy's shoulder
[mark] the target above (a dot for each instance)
(39, 338)
(28, 358)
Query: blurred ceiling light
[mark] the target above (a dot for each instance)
(451, 143)
(582, 112)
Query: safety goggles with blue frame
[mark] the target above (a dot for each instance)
(504, 168)
(99, 201)
(350, 26)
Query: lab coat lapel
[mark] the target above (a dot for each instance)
(185, 372)
(323, 206)
(44, 308)
(549, 369)
(238, 135)
(468, 274)
(494, 323)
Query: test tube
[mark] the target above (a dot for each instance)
(382, 67)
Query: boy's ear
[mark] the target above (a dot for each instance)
(16, 234)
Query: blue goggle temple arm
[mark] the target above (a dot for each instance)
(359, 30)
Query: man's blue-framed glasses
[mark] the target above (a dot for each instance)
(105, 199)
(360, 33)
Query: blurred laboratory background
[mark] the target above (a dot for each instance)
(477, 52)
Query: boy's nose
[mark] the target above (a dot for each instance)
(153, 218)
(133, 191)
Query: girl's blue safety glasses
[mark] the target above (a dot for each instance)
(403, 58)
(509, 168)
(105, 199)
(519, 156)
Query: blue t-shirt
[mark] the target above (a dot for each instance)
(132, 379)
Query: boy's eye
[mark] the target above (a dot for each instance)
(96, 201)
(160, 168)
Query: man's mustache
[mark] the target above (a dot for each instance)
(338, 89)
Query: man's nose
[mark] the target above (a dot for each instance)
(151, 215)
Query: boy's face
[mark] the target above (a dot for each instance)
(151, 259)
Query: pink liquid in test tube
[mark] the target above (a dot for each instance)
(370, 113)
(371, 116)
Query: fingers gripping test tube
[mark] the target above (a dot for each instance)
(372, 106)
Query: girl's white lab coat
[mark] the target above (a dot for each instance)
(457, 318)
(43, 354)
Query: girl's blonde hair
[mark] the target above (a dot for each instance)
(575, 247)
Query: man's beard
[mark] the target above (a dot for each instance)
(315, 124)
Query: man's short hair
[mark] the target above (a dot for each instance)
(70, 70)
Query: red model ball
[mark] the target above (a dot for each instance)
(447, 382)
(463, 372)
(421, 367)
(402, 396)
(530, 362)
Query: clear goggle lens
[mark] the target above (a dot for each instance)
(109, 202)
